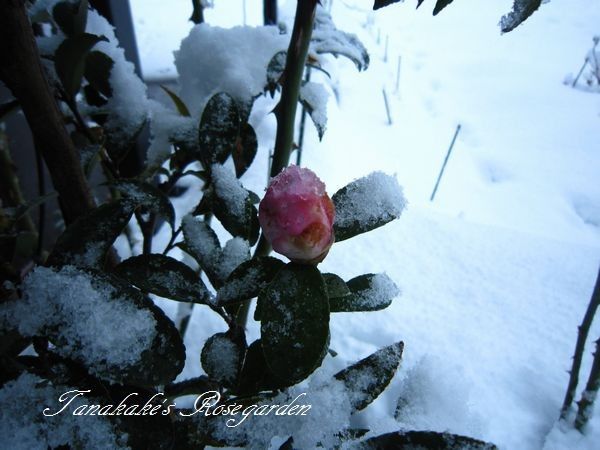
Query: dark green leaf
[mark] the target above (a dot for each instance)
(179, 104)
(336, 287)
(148, 196)
(222, 357)
(71, 17)
(295, 322)
(441, 4)
(8, 107)
(94, 98)
(69, 60)
(366, 379)
(98, 66)
(197, 386)
(245, 150)
(381, 3)
(245, 225)
(255, 375)
(522, 10)
(429, 440)
(24, 209)
(254, 198)
(219, 128)
(87, 240)
(275, 71)
(248, 280)
(202, 243)
(369, 292)
(163, 276)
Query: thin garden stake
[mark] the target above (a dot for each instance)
(437, 183)
(387, 106)
(398, 74)
(580, 72)
(385, 53)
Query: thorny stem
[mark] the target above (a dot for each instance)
(285, 111)
(582, 335)
(586, 404)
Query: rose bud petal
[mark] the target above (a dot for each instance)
(296, 216)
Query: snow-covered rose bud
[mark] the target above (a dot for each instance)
(296, 216)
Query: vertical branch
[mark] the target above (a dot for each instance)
(582, 335)
(586, 404)
(198, 12)
(270, 12)
(285, 111)
(22, 72)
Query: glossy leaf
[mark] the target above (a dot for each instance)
(248, 280)
(98, 67)
(87, 240)
(369, 292)
(295, 322)
(179, 104)
(222, 357)
(163, 276)
(336, 287)
(439, 5)
(69, 60)
(275, 71)
(148, 196)
(245, 150)
(368, 378)
(430, 440)
(71, 17)
(219, 128)
(522, 10)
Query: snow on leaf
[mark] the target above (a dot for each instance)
(234, 60)
(314, 98)
(98, 321)
(24, 427)
(366, 204)
(326, 38)
(367, 378)
(521, 11)
(369, 292)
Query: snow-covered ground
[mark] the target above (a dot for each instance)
(496, 273)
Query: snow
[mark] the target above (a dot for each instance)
(77, 309)
(128, 105)
(497, 272)
(214, 59)
(370, 199)
(315, 95)
(229, 189)
(380, 290)
(24, 427)
(235, 252)
(207, 250)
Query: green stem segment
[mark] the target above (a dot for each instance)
(285, 111)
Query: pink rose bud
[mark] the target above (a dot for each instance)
(296, 216)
